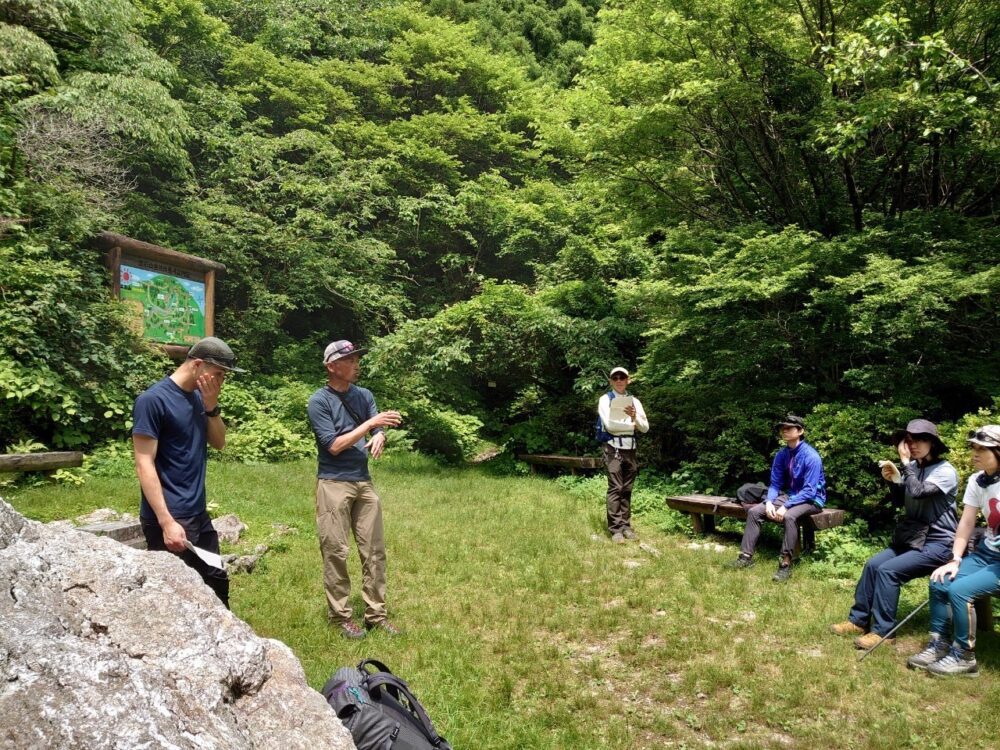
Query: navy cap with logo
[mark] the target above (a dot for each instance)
(339, 350)
(215, 351)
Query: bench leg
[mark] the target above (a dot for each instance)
(984, 614)
(696, 523)
(808, 535)
(708, 523)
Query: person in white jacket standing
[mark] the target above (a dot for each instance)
(617, 432)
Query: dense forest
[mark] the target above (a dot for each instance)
(758, 205)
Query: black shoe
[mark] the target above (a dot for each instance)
(783, 574)
(742, 562)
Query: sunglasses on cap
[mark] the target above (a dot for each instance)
(619, 376)
(983, 437)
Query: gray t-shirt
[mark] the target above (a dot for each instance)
(329, 419)
(934, 505)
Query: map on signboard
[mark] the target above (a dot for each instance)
(171, 308)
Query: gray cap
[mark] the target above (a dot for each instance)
(215, 351)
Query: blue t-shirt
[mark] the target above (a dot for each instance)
(329, 419)
(176, 419)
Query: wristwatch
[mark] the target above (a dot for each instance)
(215, 412)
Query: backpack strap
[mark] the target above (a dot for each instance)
(379, 667)
(343, 400)
(387, 681)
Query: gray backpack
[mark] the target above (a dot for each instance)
(379, 710)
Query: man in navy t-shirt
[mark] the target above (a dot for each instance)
(342, 415)
(173, 423)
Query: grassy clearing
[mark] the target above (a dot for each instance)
(526, 628)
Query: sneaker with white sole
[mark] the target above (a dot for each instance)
(935, 649)
(629, 534)
(618, 538)
(958, 662)
(742, 562)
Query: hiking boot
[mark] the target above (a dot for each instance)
(742, 562)
(351, 630)
(935, 649)
(870, 640)
(629, 534)
(385, 626)
(847, 628)
(958, 662)
(783, 573)
(618, 538)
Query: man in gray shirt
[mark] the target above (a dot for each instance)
(342, 415)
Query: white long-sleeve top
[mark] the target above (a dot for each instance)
(623, 432)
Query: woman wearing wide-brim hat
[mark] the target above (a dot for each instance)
(926, 486)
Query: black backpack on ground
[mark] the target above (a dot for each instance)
(379, 709)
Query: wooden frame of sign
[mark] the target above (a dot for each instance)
(127, 258)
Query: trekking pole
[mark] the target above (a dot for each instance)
(901, 624)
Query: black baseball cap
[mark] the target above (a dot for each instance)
(217, 352)
(791, 420)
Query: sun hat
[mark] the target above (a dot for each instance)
(988, 436)
(922, 427)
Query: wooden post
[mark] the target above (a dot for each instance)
(210, 303)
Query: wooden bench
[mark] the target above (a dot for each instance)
(573, 463)
(704, 508)
(40, 461)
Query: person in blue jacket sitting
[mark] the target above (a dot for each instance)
(797, 489)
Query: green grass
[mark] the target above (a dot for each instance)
(526, 628)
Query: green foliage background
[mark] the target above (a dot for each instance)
(755, 206)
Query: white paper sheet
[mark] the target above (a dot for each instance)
(897, 478)
(209, 557)
(618, 404)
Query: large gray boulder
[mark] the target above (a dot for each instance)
(104, 646)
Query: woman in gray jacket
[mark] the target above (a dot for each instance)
(927, 486)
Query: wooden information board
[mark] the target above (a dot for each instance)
(172, 294)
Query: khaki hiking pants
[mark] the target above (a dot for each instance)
(340, 508)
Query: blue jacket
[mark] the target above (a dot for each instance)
(799, 473)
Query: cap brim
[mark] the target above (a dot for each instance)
(227, 368)
(981, 444)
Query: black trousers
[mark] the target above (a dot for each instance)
(622, 467)
(200, 533)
